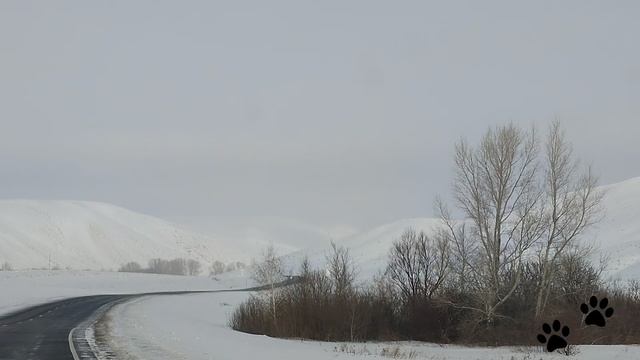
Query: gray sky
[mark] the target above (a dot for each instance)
(335, 112)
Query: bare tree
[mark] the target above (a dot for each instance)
(269, 271)
(495, 188)
(573, 205)
(341, 269)
(403, 266)
(193, 267)
(461, 246)
(230, 267)
(216, 268)
(576, 277)
(434, 259)
(418, 264)
(131, 267)
(342, 274)
(513, 197)
(177, 266)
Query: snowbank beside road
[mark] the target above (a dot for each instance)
(196, 327)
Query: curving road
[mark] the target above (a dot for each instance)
(42, 332)
(52, 331)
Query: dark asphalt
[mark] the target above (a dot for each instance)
(42, 332)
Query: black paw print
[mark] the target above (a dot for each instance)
(555, 341)
(594, 316)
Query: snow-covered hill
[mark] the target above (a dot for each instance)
(368, 249)
(90, 235)
(287, 235)
(617, 236)
(618, 233)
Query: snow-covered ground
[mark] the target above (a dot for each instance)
(94, 235)
(20, 289)
(186, 327)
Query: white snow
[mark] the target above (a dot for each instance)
(97, 236)
(285, 234)
(195, 327)
(618, 233)
(368, 249)
(94, 235)
(88, 235)
(24, 288)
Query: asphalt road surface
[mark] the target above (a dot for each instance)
(42, 332)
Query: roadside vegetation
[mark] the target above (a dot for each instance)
(513, 260)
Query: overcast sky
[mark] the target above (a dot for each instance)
(334, 112)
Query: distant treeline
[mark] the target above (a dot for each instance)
(218, 267)
(180, 266)
(177, 266)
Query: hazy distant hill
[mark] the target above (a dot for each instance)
(617, 236)
(90, 235)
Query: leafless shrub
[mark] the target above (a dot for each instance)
(193, 267)
(161, 266)
(418, 265)
(131, 267)
(269, 271)
(217, 268)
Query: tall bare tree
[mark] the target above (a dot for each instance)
(342, 274)
(572, 205)
(495, 187)
(341, 269)
(269, 271)
(514, 196)
(403, 266)
(193, 267)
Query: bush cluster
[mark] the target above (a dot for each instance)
(176, 266)
(321, 306)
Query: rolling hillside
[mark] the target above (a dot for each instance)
(616, 236)
(89, 235)
(618, 233)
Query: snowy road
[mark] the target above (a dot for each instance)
(54, 330)
(44, 332)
